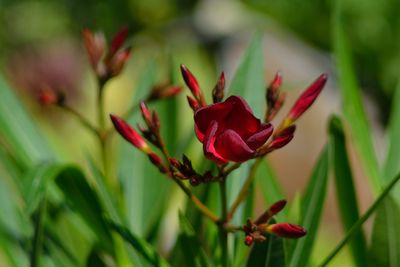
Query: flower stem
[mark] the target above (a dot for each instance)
(360, 221)
(223, 234)
(81, 119)
(245, 188)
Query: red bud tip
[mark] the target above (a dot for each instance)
(154, 158)
(287, 230)
(129, 134)
(171, 91)
(145, 111)
(276, 82)
(175, 163)
(277, 207)
(307, 98)
(248, 240)
(118, 40)
(191, 82)
(193, 103)
(47, 97)
(118, 61)
(283, 138)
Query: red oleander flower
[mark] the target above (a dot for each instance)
(229, 131)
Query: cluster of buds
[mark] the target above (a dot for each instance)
(230, 132)
(256, 231)
(106, 62)
(185, 171)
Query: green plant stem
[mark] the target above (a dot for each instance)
(81, 119)
(38, 236)
(223, 234)
(203, 208)
(245, 188)
(360, 221)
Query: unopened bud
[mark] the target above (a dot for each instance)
(286, 230)
(191, 82)
(273, 210)
(175, 163)
(160, 92)
(118, 41)
(248, 240)
(129, 134)
(218, 91)
(193, 103)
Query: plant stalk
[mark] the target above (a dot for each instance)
(360, 221)
(223, 234)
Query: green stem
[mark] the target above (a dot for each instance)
(81, 119)
(38, 236)
(245, 188)
(360, 221)
(223, 234)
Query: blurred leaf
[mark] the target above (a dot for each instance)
(37, 241)
(141, 246)
(312, 206)
(189, 244)
(271, 189)
(385, 243)
(35, 183)
(345, 192)
(18, 131)
(104, 193)
(392, 166)
(353, 108)
(249, 79)
(269, 253)
(83, 200)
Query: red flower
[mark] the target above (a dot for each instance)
(229, 131)
(286, 230)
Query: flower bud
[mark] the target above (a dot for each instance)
(248, 240)
(118, 61)
(191, 82)
(95, 45)
(218, 91)
(146, 114)
(160, 92)
(286, 230)
(129, 134)
(273, 210)
(193, 103)
(307, 98)
(118, 41)
(156, 160)
(283, 138)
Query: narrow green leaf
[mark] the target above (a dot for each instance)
(249, 79)
(37, 241)
(140, 245)
(385, 244)
(392, 166)
(269, 253)
(18, 131)
(312, 206)
(353, 108)
(345, 191)
(35, 183)
(270, 188)
(83, 200)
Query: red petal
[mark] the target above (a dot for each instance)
(307, 98)
(208, 144)
(231, 146)
(118, 40)
(259, 138)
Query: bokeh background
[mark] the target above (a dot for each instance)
(41, 45)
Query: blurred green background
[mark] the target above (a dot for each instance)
(41, 44)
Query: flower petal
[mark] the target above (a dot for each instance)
(231, 146)
(259, 138)
(208, 144)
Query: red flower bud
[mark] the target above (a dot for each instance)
(307, 98)
(48, 97)
(146, 114)
(156, 160)
(248, 240)
(95, 45)
(118, 41)
(163, 92)
(218, 91)
(283, 138)
(193, 103)
(129, 134)
(286, 230)
(276, 82)
(191, 82)
(175, 163)
(277, 207)
(117, 62)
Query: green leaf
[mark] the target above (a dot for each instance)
(353, 108)
(37, 241)
(270, 188)
(36, 181)
(140, 245)
(385, 245)
(312, 206)
(392, 166)
(249, 79)
(269, 253)
(345, 191)
(189, 244)
(18, 131)
(84, 201)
